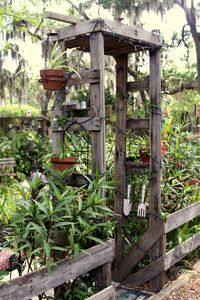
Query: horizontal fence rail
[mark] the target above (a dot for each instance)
(182, 216)
(35, 283)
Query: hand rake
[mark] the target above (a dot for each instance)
(141, 212)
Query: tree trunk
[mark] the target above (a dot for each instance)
(190, 14)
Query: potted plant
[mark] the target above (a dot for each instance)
(54, 76)
(62, 161)
(144, 150)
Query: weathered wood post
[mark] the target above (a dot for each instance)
(120, 153)
(156, 161)
(97, 102)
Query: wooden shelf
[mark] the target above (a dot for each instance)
(136, 168)
(138, 123)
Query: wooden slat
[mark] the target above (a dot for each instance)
(86, 76)
(182, 216)
(57, 136)
(164, 263)
(120, 152)
(176, 254)
(107, 294)
(146, 274)
(78, 29)
(140, 248)
(90, 124)
(37, 282)
(155, 159)
(142, 85)
(127, 49)
(132, 33)
(138, 123)
(61, 17)
(136, 168)
(97, 101)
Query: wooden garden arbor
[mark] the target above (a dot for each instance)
(103, 37)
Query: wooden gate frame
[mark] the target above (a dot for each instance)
(103, 37)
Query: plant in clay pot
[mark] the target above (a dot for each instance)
(62, 160)
(144, 150)
(55, 74)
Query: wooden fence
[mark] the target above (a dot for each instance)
(163, 263)
(40, 281)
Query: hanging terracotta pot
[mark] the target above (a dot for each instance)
(144, 155)
(52, 79)
(61, 164)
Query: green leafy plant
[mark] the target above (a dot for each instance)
(58, 60)
(55, 217)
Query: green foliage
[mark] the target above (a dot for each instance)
(44, 218)
(5, 147)
(181, 164)
(17, 111)
(58, 60)
(27, 147)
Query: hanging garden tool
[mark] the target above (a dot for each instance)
(141, 212)
(127, 202)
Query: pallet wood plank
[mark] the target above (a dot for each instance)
(61, 17)
(90, 124)
(86, 76)
(179, 252)
(142, 85)
(132, 33)
(136, 168)
(155, 160)
(32, 284)
(164, 263)
(182, 216)
(106, 294)
(120, 151)
(140, 248)
(78, 29)
(97, 101)
(135, 37)
(145, 274)
(57, 136)
(138, 123)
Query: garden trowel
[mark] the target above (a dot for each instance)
(127, 202)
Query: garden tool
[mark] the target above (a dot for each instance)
(141, 212)
(127, 202)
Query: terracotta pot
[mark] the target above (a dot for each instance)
(61, 164)
(52, 79)
(144, 156)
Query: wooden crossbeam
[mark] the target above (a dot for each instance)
(142, 85)
(88, 123)
(133, 35)
(182, 216)
(138, 123)
(179, 252)
(138, 251)
(164, 263)
(61, 17)
(86, 76)
(136, 168)
(37, 282)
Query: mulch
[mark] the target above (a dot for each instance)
(189, 291)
